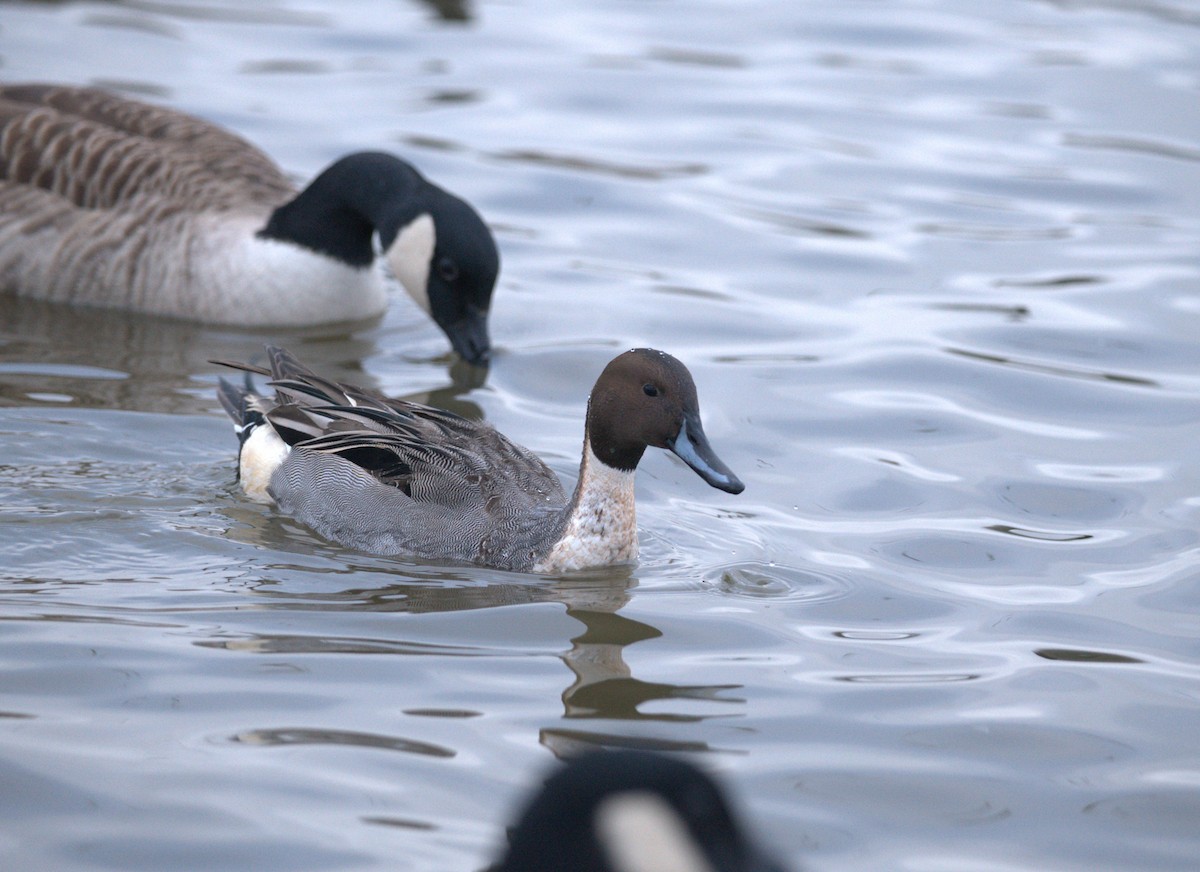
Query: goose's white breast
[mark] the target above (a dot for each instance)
(240, 278)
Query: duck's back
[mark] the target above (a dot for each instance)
(395, 477)
(458, 505)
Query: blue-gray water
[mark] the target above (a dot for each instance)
(934, 268)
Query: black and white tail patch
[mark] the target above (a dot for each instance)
(243, 406)
(260, 450)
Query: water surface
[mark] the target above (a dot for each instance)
(933, 267)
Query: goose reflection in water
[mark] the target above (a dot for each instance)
(97, 358)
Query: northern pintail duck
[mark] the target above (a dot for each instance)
(394, 477)
(630, 811)
(111, 202)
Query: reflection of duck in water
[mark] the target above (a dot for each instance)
(391, 477)
(630, 811)
(111, 202)
(605, 688)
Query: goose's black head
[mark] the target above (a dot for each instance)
(630, 811)
(646, 398)
(447, 260)
(436, 243)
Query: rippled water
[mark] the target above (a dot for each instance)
(934, 268)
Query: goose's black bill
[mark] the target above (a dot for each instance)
(469, 336)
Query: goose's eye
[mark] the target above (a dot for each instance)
(650, 390)
(447, 269)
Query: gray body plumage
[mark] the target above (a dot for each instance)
(394, 477)
(484, 518)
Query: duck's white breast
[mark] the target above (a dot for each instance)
(602, 529)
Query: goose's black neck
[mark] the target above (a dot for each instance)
(343, 207)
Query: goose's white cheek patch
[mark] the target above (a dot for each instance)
(410, 255)
(641, 832)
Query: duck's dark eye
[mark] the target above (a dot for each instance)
(447, 268)
(650, 390)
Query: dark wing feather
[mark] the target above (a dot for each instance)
(248, 368)
(432, 455)
(398, 452)
(374, 455)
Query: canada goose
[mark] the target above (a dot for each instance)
(630, 811)
(107, 201)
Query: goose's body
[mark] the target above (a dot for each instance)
(106, 201)
(393, 477)
(630, 811)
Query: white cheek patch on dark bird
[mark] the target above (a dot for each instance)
(410, 256)
(640, 832)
